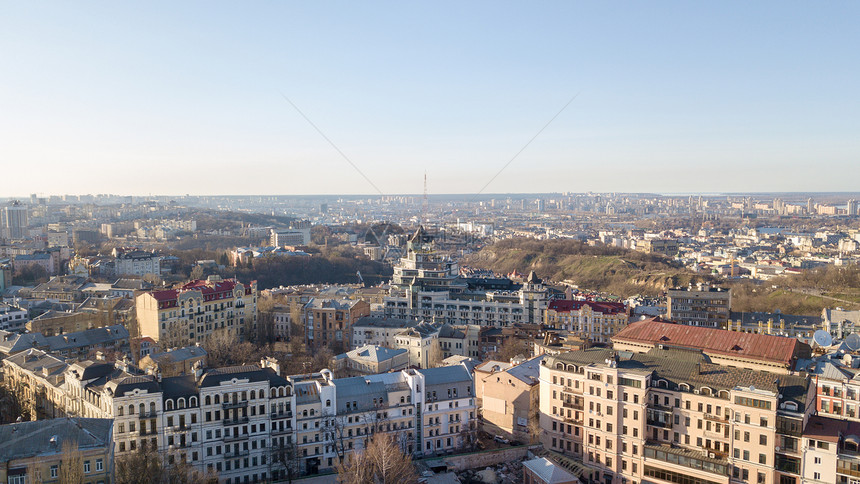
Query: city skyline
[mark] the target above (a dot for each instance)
(669, 98)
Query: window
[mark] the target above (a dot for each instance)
(99, 465)
(55, 471)
(762, 439)
(86, 467)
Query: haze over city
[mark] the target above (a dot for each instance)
(429, 242)
(176, 98)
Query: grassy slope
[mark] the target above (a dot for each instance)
(619, 271)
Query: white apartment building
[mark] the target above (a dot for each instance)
(232, 420)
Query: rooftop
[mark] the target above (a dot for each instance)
(761, 347)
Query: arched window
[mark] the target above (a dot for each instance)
(684, 387)
(217, 399)
(192, 402)
(273, 393)
(304, 413)
(152, 408)
(180, 403)
(262, 394)
(208, 400)
(131, 409)
(328, 403)
(706, 391)
(559, 366)
(121, 411)
(724, 394)
(169, 405)
(142, 409)
(663, 384)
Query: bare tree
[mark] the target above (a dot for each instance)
(138, 467)
(381, 462)
(71, 464)
(469, 436)
(334, 431)
(146, 466)
(436, 356)
(285, 460)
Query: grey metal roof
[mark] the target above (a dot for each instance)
(215, 376)
(527, 371)
(11, 343)
(179, 354)
(445, 375)
(179, 386)
(88, 337)
(28, 439)
(360, 390)
(550, 473)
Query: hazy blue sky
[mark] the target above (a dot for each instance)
(185, 97)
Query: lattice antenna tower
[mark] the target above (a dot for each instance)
(425, 203)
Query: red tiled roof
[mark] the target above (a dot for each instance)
(220, 289)
(165, 295)
(566, 305)
(710, 340)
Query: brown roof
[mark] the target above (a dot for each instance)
(753, 346)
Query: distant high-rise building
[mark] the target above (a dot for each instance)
(15, 220)
(810, 206)
(852, 207)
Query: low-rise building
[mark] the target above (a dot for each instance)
(510, 399)
(700, 306)
(36, 451)
(594, 321)
(12, 318)
(369, 360)
(328, 322)
(174, 362)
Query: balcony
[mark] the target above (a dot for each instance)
(236, 421)
(663, 408)
(657, 423)
(571, 390)
(285, 430)
(181, 428)
(146, 415)
(229, 405)
(573, 405)
(276, 415)
(716, 418)
(236, 438)
(236, 453)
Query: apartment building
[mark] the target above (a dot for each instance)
(33, 451)
(593, 321)
(509, 397)
(426, 343)
(329, 322)
(426, 285)
(670, 415)
(12, 318)
(190, 313)
(232, 420)
(700, 306)
(135, 262)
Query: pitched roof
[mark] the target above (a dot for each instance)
(752, 346)
(604, 307)
(28, 439)
(550, 473)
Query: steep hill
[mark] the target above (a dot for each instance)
(619, 271)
